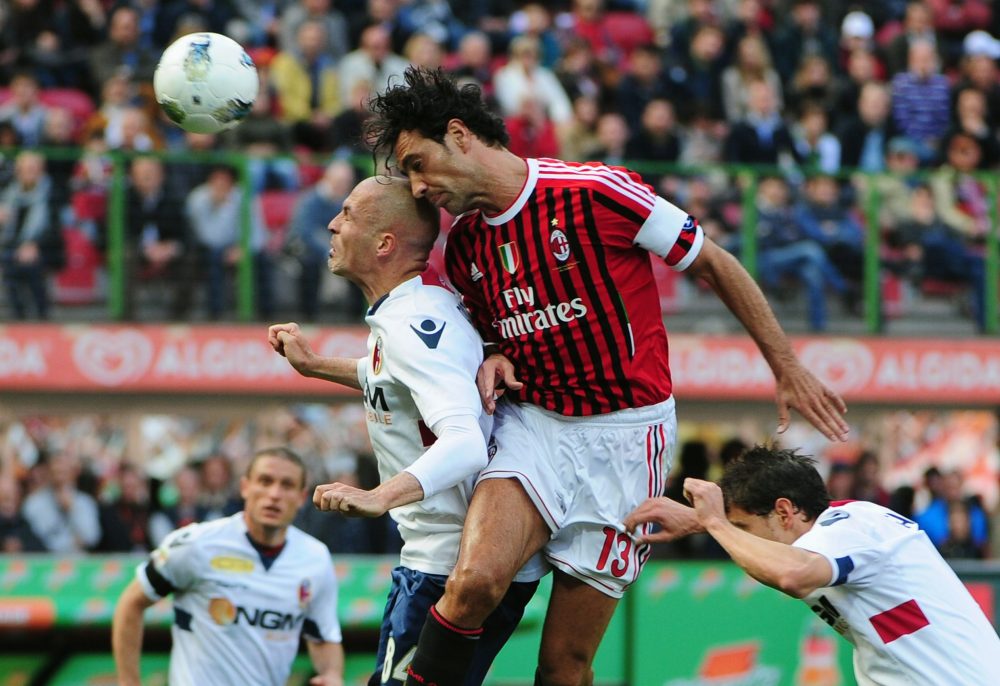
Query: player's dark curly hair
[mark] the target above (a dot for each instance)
(763, 474)
(425, 102)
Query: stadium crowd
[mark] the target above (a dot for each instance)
(103, 483)
(811, 93)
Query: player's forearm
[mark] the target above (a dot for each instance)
(126, 640)
(789, 569)
(402, 489)
(328, 661)
(741, 294)
(342, 370)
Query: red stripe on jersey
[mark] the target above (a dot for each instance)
(430, 277)
(427, 437)
(578, 313)
(839, 503)
(901, 620)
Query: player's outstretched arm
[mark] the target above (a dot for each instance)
(287, 340)
(126, 633)
(791, 570)
(401, 489)
(328, 661)
(796, 387)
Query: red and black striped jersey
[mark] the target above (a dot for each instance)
(563, 281)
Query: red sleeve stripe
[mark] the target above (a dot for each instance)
(615, 175)
(618, 182)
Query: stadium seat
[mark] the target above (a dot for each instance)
(277, 207)
(628, 30)
(76, 101)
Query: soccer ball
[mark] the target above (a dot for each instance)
(205, 82)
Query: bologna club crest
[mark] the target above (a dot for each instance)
(377, 356)
(559, 245)
(509, 257)
(305, 593)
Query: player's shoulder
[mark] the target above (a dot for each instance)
(307, 547)
(200, 533)
(555, 172)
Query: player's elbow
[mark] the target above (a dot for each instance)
(795, 582)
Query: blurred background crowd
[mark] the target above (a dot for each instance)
(816, 96)
(818, 125)
(119, 483)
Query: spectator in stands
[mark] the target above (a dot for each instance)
(347, 128)
(122, 52)
(785, 251)
(612, 137)
(814, 82)
(215, 214)
(118, 93)
(902, 165)
(58, 135)
(180, 17)
(655, 138)
(373, 61)
(125, 521)
(26, 231)
(186, 510)
(432, 17)
(645, 80)
(862, 68)
(816, 148)
(532, 134)
(16, 535)
(761, 138)
(803, 33)
(523, 77)
(267, 142)
(586, 20)
(972, 118)
(921, 102)
(579, 72)
(474, 60)
(935, 518)
(157, 238)
(752, 63)
(699, 74)
(962, 198)
(308, 238)
(580, 135)
(827, 220)
(535, 20)
(25, 110)
(336, 43)
(421, 50)
(960, 543)
(865, 138)
(840, 481)
(979, 70)
(218, 495)
(63, 517)
(703, 140)
(918, 25)
(384, 13)
(699, 13)
(306, 82)
(868, 480)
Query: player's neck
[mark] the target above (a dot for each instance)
(377, 286)
(266, 536)
(507, 174)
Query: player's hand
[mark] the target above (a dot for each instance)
(676, 520)
(348, 500)
(706, 497)
(272, 335)
(326, 681)
(495, 376)
(819, 405)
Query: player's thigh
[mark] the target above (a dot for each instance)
(410, 598)
(502, 531)
(577, 617)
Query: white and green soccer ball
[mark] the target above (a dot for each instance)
(206, 82)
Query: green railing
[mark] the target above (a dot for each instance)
(746, 178)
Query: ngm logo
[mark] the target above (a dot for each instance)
(223, 613)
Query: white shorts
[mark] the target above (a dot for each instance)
(584, 475)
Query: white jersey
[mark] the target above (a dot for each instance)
(238, 611)
(423, 355)
(893, 596)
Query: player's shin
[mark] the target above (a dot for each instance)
(444, 653)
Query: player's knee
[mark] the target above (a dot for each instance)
(476, 590)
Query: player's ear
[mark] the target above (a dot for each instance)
(786, 511)
(460, 134)
(385, 244)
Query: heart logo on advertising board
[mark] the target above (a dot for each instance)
(112, 359)
(843, 365)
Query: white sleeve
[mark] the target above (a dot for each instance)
(458, 453)
(854, 558)
(671, 233)
(321, 623)
(172, 566)
(362, 370)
